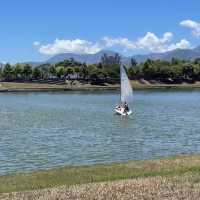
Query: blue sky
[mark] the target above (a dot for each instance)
(29, 28)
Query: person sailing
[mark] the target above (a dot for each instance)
(126, 93)
(126, 108)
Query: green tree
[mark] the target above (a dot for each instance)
(1, 73)
(60, 71)
(149, 69)
(175, 61)
(69, 71)
(188, 71)
(37, 73)
(27, 71)
(176, 72)
(132, 73)
(45, 71)
(197, 61)
(8, 72)
(133, 62)
(97, 76)
(77, 71)
(84, 71)
(18, 71)
(52, 70)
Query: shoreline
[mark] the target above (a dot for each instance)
(46, 87)
(177, 175)
(72, 175)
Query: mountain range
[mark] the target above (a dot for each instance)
(186, 54)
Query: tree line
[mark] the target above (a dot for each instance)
(174, 71)
(107, 70)
(104, 71)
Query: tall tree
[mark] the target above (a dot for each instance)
(45, 70)
(27, 71)
(77, 71)
(60, 71)
(8, 72)
(18, 71)
(37, 73)
(52, 70)
(84, 71)
(133, 62)
(108, 60)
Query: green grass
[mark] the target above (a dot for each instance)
(174, 166)
(137, 85)
(36, 86)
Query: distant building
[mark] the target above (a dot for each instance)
(71, 76)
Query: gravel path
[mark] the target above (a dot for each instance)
(141, 188)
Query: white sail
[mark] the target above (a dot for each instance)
(126, 88)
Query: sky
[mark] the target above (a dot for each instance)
(34, 30)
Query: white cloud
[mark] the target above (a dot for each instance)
(69, 46)
(150, 42)
(167, 37)
(195, 26)
(124, 42)
(183, 44)
(153, 43)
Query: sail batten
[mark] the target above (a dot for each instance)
(126, 88)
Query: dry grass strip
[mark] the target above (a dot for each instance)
(158, 188)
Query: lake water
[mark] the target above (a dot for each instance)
(46, 130)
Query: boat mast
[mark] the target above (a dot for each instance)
(121, 83)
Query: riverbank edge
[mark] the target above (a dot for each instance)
(40, 87)
(77, 175)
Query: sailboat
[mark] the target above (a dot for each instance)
(126, 95)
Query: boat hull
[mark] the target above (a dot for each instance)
(121, 112)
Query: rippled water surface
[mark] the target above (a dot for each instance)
(45, 130)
